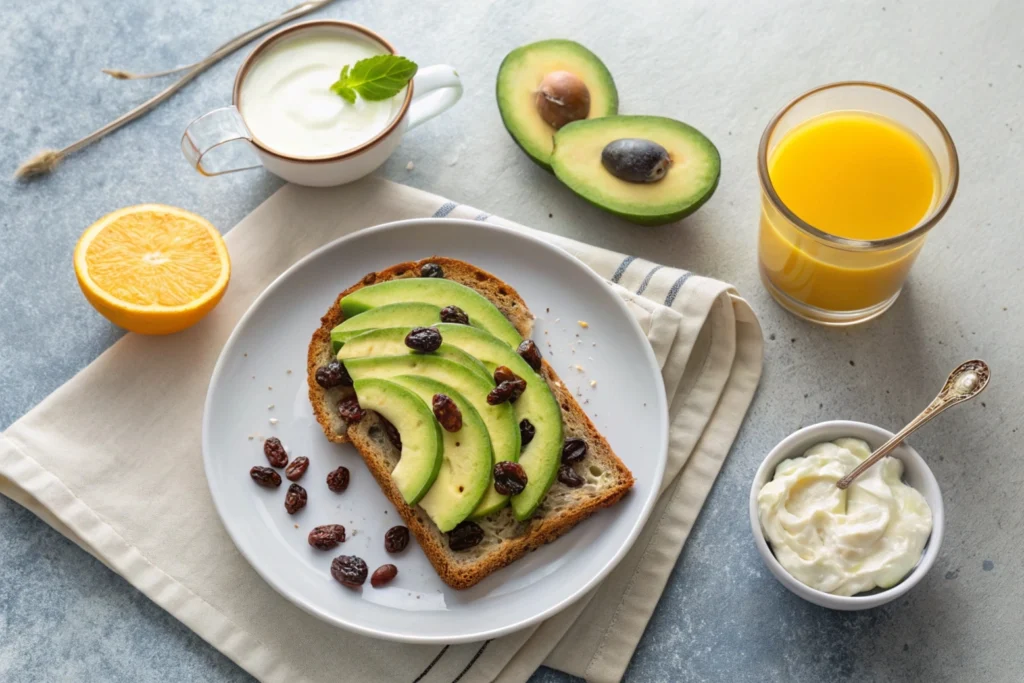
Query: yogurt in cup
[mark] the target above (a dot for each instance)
(284, 112)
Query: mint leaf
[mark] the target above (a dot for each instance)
(375, 78)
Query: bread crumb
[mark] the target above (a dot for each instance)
(547, 310)
(270, 388)
(295, 525)
(273, 420)
(245, 355)
(270, 407)
(583, 323)
(409, 166)
(287, 372)
(251, 437)
(579, 368)
(593, 383)
(557, 319)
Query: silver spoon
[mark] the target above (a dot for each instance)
(963, 384)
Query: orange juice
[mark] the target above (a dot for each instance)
(852, 175)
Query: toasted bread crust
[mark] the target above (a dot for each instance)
(509, 540)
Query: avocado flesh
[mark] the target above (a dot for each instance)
(689, 182)
(422, 445)
(499, 420)
(438, 292)
(543, 455)
(467, 458)
(519, 77)
(405, 314)
(390, 341)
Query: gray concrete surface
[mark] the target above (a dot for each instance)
(722, 66)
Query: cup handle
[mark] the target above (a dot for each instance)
(436, 89)
(209, 132)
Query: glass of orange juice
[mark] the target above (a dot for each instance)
(853, 176)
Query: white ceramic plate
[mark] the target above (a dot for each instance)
(627, 405)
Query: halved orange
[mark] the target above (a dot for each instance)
(152, 269)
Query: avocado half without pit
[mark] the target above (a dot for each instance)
(547, 85)
(647, 169)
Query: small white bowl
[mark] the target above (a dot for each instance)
(915, 473)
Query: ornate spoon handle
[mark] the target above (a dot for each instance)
(963, 384)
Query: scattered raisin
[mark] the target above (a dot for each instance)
(393, 436)
(327, 536)
(526, 432)
(530, 353)
(349, 570)
(574, 450)
(333, 375)
(274, 450)
(454, 314)
(503, 373)
(509, 478)
(567, 475)
(396, 539)
(447, 413)
(465, 536)
(383, 574)
(265, 477)
(349, 409)
(431, 270)
(296, 468)
(295, 499)
(424, 339)
(337, 480)
(500, 394)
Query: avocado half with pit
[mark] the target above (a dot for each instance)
(546, 85)
(647, 169)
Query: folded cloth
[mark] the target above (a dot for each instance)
(112, 460)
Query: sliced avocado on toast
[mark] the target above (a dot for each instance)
(390, 341)
(421, 434)
(404, 314)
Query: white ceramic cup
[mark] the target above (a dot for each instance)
(435, 89)
(915, 473)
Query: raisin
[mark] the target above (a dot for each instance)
(530, 353)
(509, 478)
(396, 539)
(333, 375)
(465, 536)
(337, 480)
(296, 468)
(265, 477)
(393, 436)
(500, 394)
(327, 536)
(447, 413)
(383, 574)
(349, 409)
(274, 450)
(574, 450)
(349, 570)
(424, 339)
(431, 270)
(454, 314)
(526, 432)
(504, 375)
(567, 475)
(295, 499)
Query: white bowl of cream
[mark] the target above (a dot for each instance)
(845, 550)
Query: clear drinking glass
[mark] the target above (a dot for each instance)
(835, 280)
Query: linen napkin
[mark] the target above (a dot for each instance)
(112, 460)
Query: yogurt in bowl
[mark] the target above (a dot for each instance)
(845, 550)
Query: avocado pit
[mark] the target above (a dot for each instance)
(636, 160)
(562, 98)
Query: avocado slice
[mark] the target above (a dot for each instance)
(408, 313)
(543, 455)
(421, 434)
(438, 292)
(390, 341)
(519, 79)
(689, 182)
(500, 419)
(468, 458)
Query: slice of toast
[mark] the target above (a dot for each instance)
(505, 539)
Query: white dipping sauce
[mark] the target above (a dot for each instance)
(287, 102)
(843, 542)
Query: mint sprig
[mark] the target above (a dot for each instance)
(374, 78)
